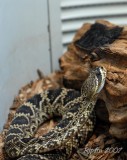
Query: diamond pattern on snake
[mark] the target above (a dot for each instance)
(78, 120)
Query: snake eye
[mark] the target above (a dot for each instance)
(94, 56)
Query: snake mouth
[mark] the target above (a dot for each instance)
(101, 75)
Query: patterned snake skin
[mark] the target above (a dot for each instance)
(76, 126)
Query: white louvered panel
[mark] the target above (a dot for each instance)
(75, 3)
(76, 12)
(73, 26)
(93, 11)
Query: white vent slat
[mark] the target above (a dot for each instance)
(73, 26)
(67, 38)
(93, 11)
(77, 3)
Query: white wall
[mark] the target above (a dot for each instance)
(24, 47)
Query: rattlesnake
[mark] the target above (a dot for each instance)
(76, 126)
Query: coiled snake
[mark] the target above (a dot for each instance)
(76, 126)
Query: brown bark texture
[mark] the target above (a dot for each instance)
(101, 44)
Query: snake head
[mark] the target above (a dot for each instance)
(94, 83)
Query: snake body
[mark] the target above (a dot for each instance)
(76, 126)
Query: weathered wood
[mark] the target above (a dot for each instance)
(108, 49)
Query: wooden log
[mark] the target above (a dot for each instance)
(101, 44)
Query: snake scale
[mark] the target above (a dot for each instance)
(75, 128)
